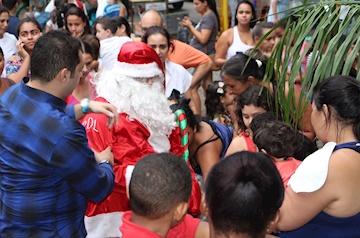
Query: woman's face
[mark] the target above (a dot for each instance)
(88, 59)
(75, 25)
(4, 23)
(267, 45)
(249, 112)
(29, 34)
(244, 14)
(199, 6)
(235, 87)
(160, 44)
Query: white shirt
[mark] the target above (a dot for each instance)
(8, 45)
(177, 77)
(109, 50)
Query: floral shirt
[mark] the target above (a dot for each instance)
(13, 66)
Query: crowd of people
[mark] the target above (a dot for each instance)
(105, 138)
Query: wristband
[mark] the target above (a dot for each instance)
(104, 162)
(85, 105)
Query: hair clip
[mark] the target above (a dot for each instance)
(220, 91)
(259, 63)
(221, 84)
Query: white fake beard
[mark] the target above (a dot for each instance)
(141, 101)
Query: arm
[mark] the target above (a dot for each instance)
(274, 7)
(237, 144)
(122, 12)
(99, 107)
(222, 47)
(304, 122)
(25, 65)
(203, 230)
(202, 36)
(81, 170)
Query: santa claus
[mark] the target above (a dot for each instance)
(135, 86)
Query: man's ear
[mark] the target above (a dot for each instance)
(108, 32)
(256, 39)
(272, 224)
(264, 151)
(180, 211)
(64, 75)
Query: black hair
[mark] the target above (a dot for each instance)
(61, 10)
(1, 51)
(122, 21)
(158, 183)
(27, 20)
(214, 92)
(106, 23)
(342, 96)
(9, 4)
(254, 95)
(277, 138)
(212, 6)
(243, 191)
(193, 120)
(306, 147)
(54, 51)
(80, 13)
(258, 121)
(240, 67)
(86, 48)
(258, 30)
(253, 19)
(94, 43)
(128, 7)
(158, 30)
(4, 9)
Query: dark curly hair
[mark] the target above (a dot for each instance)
(254, 95)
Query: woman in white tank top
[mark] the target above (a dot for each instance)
(239, 38)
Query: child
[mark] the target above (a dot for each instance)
(110, 44)
(118, 8)
(217, 101)
(254, 101)
(244, 193)
(159, 191)
(279, 141)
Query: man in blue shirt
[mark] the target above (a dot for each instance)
(47, 170)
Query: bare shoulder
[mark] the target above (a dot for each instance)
(14, 58)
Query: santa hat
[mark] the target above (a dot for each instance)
(138, 60)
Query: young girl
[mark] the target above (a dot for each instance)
(217, 102)
(253, 101)
(77, 23)
(18, 66)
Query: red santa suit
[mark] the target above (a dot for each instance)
(130, 140)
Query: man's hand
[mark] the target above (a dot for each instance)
(107, 109)
(105, 155)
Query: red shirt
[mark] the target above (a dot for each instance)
(186, 229)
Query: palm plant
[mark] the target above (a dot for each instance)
(332, 53)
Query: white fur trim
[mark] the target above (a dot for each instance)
(138, 70)
(160, 143)
(104, 225)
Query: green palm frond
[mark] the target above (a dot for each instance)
(328, 37)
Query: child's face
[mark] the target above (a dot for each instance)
(101, 34)
(227, 99)
(249, 112)
(110, 1)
